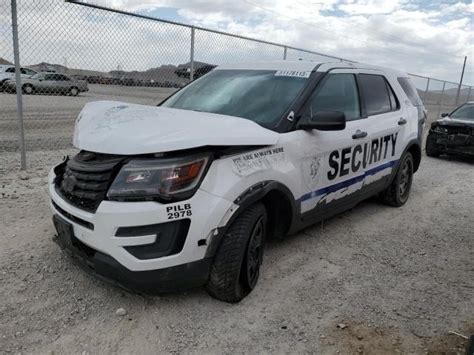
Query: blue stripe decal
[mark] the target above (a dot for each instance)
(341, 185)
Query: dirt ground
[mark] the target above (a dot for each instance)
(394, 280)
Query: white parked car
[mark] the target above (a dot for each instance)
(8, 72)
(185, 194)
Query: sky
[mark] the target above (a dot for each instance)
(422, 37)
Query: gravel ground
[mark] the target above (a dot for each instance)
(396, 280)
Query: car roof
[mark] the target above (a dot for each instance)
(301, 65)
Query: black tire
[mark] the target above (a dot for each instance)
(399, 190)
(74, 91)
(236, 266)
(28, 89)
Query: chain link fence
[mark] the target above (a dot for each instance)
(72, 53)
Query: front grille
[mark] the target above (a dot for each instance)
(459, 130)
(85, 179)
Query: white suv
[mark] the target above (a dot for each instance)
(7, 72)
(185, 194)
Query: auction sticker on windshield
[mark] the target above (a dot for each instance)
(293, 73)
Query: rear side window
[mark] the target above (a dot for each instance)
(10, 70)
(338, 93)
(378, 96)
(410, 91)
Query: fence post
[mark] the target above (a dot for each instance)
(441, 100)
(469, 94)
(19, 98)
(191, 61)
(426, 90)
(285, 50)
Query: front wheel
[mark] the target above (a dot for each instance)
(2, 85)
(236, 266)
(399, 190)
(74, 91)
(28, 89)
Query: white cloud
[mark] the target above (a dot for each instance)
(369, 7)
(430, 41)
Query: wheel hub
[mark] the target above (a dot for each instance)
(254, 252)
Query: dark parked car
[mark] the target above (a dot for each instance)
(198, 72)
(49, 83)
(453, 134)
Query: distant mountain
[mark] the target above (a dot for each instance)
(5, 62)
(162, 74)
(58, 68)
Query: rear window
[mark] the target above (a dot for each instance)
(376, 94)
(410, 91)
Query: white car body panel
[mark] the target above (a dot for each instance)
(299, 159)
(120, 128)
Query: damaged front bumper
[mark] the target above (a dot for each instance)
(451, 143)
(134, 244)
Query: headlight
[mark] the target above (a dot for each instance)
(162, 179)
(439, 129)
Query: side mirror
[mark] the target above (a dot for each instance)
(325, 121)
(444, 114)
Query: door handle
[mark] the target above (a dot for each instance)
(359, 134)
(402, 121)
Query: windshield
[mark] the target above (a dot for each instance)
(258, 95)
(38, 76)
(465, 112)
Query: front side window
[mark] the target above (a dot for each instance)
(465, 112)
(337, 93)
(261, 96)
(50, 77)
(376, 94)
(28, 71)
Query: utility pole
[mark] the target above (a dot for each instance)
(460, 81)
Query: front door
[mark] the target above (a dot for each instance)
(333, 162)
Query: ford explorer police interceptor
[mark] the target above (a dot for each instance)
(186, 194)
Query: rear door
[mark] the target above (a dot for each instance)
(386, 128)
(48, 83)
(332, 166)
(63, 83)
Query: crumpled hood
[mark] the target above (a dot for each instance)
(447, 121)
(113, 127)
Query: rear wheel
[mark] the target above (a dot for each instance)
(74, 91)
(399, 190)
(28, 89)
(236, 266)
